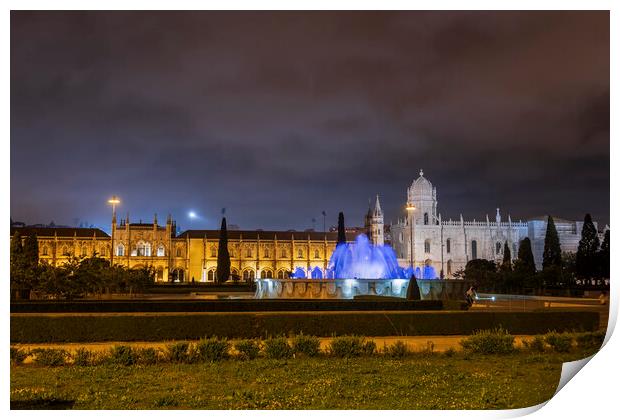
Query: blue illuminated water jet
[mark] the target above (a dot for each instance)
(363, 260)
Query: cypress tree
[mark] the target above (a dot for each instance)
(342, 238)
(31, 251)
(507, 261)
(552, 254)
(604, 256)
(525, 259)
(586, 263)
(17, 261)
(223, 257)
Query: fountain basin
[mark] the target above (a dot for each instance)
(349, 288)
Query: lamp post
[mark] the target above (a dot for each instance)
(113, 201)
(410, 210)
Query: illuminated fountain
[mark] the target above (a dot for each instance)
(354, 269)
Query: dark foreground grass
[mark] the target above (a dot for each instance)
(422, 382)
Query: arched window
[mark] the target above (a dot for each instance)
(474, 250)
(161, 251)
(449, 267)
(248, 274)
(266, 274)
(84, 251)
(234, 274)
(44, 250)
(316, 254)
(283, 253)
(104, 251)
(281, 274)
(213, 252)
(120, 250)
(300, 253)
(426, 218)
(448, 243)
(144, 249)
(498, 247)
(248, 252)
(266, 252)
(211, 275)
(179, 252)
(427, 246)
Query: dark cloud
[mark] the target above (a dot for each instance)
(279, 115)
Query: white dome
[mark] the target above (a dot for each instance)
(421, 189)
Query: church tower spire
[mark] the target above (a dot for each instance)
(376, 223)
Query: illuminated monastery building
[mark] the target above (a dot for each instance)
(423, 239)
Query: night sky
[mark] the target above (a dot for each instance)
(278, 116)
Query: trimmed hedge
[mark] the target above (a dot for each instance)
(227, 305)
(46, 328)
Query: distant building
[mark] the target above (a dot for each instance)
(447, 245)
(191, 255)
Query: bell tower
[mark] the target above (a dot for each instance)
(377, 236)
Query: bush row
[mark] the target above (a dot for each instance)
(497, 341)
(44, 328)
(500, 341)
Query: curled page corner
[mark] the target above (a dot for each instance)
(570, 369)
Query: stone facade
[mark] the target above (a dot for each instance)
(446, 246)
(192, 255)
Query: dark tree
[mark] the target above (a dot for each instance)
(413, 290)
(31, 251)
(18, 266)
(482, 273)
(586, 262)
(223, 257)
(525, 264)
(507, 261)
(342, 237)
(552, 254)
(604, 256)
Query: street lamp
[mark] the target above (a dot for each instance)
(410, 210)
(113, 201)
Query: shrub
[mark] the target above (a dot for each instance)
(351, 346)
(278, 348)
(497, 341)
(428, 349)
(18, 355)
(248, 349)
(369, 347)
(147, 355)
(449, 352)
(590, 339)
(536, 344)
(212, 349)
(561, 343)
(178, 352)
(398, 350)
(306, 345)
(122, 355)
(83, 357)
(50, 357)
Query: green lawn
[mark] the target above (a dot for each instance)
(417, 382)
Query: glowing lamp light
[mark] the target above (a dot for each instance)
(192, 214)
(114, 200)
(410, 207)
